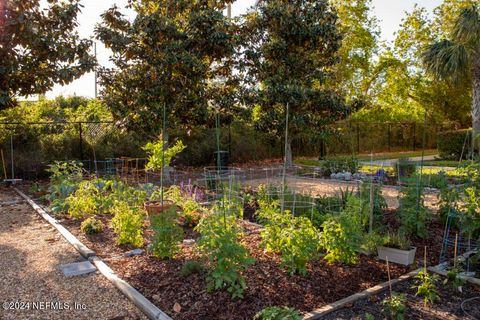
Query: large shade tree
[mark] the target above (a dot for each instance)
(290, 49)
(458, 58)
(173, 57)
(39, 47)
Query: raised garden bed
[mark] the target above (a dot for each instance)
(268, 283)
(448, 307)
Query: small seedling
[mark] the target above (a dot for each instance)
(278, 313)
(427, 288)
(394, 306)
(191, 267)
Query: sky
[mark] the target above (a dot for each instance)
(389, 13)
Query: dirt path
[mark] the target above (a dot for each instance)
(31, 252)
(332, 187)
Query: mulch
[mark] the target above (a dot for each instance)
(268, 283)
(448, 307)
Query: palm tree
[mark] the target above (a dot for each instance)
(459, 58)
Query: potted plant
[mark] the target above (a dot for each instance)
(397, 248)
(159, 158)
(36, 190)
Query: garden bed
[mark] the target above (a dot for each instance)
(268, 283)
(448, 307)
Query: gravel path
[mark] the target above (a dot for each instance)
(31, 251)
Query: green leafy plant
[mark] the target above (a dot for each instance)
(427, 288)
(343, 234)
(83, 203)
(454, 144)
(226, 255)
(369, 316)
(159, 154)
(394, 306)
(340, 164)
(413, 214)
(127, 224)
(191, 267)
(295, 238)
(278, 313)
(64, 178)
(397, 240)
(192, 211)
(167, 234)
(91, 226)
(454, 280)
(379, 203)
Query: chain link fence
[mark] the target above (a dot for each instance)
(28, 148)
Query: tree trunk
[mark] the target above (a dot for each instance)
(476, 102)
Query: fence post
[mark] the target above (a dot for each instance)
(80, 140)
(358, 139)
(414, 134)
(388, 138)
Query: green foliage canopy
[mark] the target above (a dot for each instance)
(39, 48)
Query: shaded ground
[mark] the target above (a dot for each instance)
(448, 307)
(31, 252)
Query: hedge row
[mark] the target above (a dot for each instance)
(454, 144)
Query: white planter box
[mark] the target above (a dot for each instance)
(405, 257)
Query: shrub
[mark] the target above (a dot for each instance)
(167, 234)
(91, 226)
(226, 255)
(339, 164)
(278, 313)
(451, 143)
(127, 224)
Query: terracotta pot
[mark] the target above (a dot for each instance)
(156, 207)
(39, 194)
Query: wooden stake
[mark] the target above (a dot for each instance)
(455, 251)
(425, 259)
(3, 163)
(389, 280)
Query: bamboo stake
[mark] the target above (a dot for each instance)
(389, 279)
(455, 251)
(425, 259)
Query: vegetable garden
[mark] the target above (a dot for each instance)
(224, 242)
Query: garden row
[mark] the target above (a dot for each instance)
(309, 251)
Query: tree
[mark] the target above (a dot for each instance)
(174, 55)
(290, 48)
(39, 48)
(459, 58)
(399, 90)
(352, 75)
